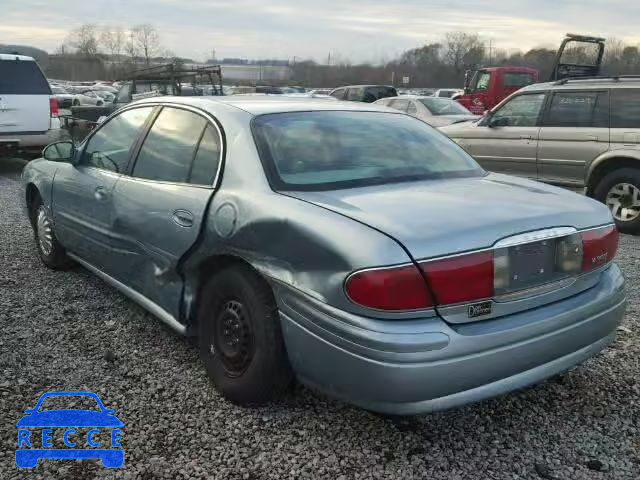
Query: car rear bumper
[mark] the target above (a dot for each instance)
(31, 141)
(428, 365)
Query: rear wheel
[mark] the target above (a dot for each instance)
(620, 191)
(240, 339)
(50, 251)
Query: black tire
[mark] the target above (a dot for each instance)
(604, 187)
(240, 339)
(53, 255)
(76, 103)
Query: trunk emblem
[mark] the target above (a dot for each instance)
(479, 309)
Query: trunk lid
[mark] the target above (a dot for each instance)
(443, 217)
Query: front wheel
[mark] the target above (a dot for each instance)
(620, 191)
(50, 251)
(239, 337)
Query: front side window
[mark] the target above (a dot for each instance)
(109, 147)
(168, 151)
(520, 111)
(577, 109)
(482, 82)
(333, 149)
(339, 94)
(625, 108)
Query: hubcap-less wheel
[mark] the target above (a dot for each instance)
(233, 338)
(45, 236)
(624, 201)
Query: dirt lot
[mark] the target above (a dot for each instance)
(70, 331)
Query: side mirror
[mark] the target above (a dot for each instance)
(59, 152)
(498, 122)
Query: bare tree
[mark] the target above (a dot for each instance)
(85, 40)
(462, 49)
(131, 47)
(113, 41)
(147, 41)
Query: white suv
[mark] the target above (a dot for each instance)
(28, 112)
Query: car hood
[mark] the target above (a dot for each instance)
(69, 418)
(442, 217)
(442, 120)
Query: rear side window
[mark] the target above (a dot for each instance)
(401, 105)
(625, 108)
(168, 151)
(22, 77)
(577, 109)
(205, 163)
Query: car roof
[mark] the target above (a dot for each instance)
(265, 104)
(9, 56)
(365, 86)
(583, 84)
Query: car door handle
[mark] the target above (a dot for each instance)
(526, 137)
(100, 193)
(184, 218)
(592, 138)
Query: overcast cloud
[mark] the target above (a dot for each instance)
(365, 30)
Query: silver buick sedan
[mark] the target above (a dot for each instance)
(347, 245)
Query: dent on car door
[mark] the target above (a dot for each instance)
(159, 209)
(575, 130)
(82, 192)
(507, 141)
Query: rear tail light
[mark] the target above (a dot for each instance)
(53, 106)
(460, 279)
(600, 246)
(395, 288)
(479, 275)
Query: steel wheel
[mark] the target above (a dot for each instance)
(233, 338)
(43, 228)
(623, 199)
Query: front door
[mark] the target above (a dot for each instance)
(575, 131)
(82, 193)
(507, 141)
(159, 209)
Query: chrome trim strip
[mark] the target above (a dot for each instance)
(534, 236)
(140, 299)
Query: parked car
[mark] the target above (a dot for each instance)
(64, 98)
(582, 134)
(363, 93)
(28, 111)
(107, 97)
(334, 241)
(448, 92)
(435, 111)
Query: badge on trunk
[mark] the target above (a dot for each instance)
(479, 309)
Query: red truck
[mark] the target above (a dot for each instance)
(486, 87)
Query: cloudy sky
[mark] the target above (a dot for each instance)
(361, 30)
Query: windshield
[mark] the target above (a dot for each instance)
(329, 150)
(444, 106)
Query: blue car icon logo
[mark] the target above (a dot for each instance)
(81, 431)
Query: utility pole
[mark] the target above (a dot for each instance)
(329, 59)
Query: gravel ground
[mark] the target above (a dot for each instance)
(70, 331)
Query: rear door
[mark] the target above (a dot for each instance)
(625, 118)
(159, 208)
(575, 131)
(24, 96)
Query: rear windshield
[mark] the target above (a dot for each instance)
(517, 80)
(22, 77)
(444, 106)
(329, 150)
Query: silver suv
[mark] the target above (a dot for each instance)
(577, 133)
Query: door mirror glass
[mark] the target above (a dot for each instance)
(59, 152)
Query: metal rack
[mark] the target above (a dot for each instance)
(177, 74)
